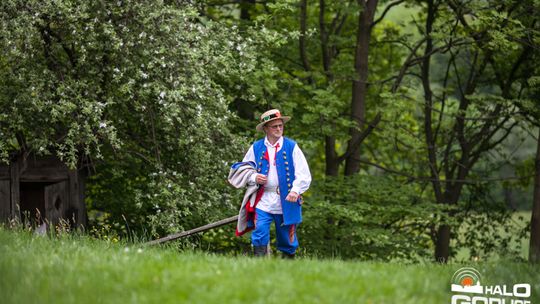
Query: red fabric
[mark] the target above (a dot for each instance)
(251, 210)
(275, 154)
(238, 233)
(291, 233)
(251, 214)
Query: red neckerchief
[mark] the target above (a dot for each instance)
(275, 154)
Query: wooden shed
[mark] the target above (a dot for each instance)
(38, 188)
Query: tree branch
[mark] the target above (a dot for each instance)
(406, 65)
(428, 100)
(386, 10)
(361, 137)
(302, 38)
(324, 40)
(429, 179)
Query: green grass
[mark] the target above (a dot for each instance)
(74, 269)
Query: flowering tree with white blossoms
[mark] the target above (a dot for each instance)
(139, 89)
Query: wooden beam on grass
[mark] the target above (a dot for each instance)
(178, 235)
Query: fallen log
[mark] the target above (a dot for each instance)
(178, 235)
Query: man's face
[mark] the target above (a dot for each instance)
(274, 128)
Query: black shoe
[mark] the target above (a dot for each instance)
(259, 251)
(287, 256)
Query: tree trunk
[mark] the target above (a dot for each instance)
(442, 244)
(244, 9)
(332, 162)
(442, 237)
(359, 85)
(534, 245)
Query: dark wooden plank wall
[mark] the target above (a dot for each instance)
(56, 202)
(47, 169)
(5, 201)
(4, 171)
(14, 189)
(77, 208)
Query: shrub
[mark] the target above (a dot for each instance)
(366, 217)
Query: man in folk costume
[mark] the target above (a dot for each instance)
(276, 173)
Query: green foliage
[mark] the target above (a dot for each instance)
(224, 241)
(144, 93)
(139, 90)
(367, 218)
(449, 121)
(486, 227)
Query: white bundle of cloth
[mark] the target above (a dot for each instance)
(240, 176)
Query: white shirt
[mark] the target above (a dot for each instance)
(270, 201)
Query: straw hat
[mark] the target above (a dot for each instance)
(270, 115)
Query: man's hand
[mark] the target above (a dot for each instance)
(292, 197)
(260, 179)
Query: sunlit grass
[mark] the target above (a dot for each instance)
(75, 269)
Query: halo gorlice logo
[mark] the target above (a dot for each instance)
(467, 289)
(467, 279)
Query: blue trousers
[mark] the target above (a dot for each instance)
(286, 234)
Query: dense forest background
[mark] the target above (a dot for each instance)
(419, 119)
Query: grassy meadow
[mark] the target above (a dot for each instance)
(77, 269)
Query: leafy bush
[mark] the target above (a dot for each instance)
(366, 217)
(486, 227)
(139, 91)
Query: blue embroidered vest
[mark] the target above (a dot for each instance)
(292, 212)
